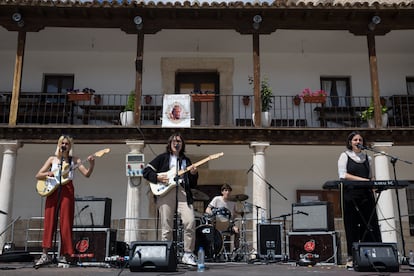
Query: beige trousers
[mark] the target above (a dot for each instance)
(166, 206)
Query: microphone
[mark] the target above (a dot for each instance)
(362, 147)
(303, 213)
(177, 146)
(63, 148)
(81, 210)
(250, 169)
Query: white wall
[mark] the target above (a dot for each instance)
(288, 168)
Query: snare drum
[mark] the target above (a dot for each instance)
(222, 218)
(210, 239)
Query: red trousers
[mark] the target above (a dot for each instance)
(66, 215)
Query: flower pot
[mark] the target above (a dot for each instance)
(148, 99)
(384, 119)
(246, 100)
(314, 99)
(266, 119)
(127, 118)
(97, 99)
(371, 123)
(296, 101)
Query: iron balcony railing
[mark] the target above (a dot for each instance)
(206, 110)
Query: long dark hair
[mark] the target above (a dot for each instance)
(171, 138)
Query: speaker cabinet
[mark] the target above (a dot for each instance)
(322, 246)
(92, 212)
(312, 216)
(375, 256)
(94, 244)
(269, 240)
(152, 256)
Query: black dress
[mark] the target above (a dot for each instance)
(360, 216)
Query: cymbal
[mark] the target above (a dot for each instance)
(199, 195)
(239, 197)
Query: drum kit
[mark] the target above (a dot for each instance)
(209, 234)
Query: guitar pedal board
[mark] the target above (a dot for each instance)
(134, 164)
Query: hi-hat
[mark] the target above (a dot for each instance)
(239, 197)
(199, 195)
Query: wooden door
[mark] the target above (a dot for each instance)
(204, 113)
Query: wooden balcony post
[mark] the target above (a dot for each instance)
(373, 69)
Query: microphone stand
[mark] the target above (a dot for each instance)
(57, 209)
(393, 161)
(175, 232)
(284, 257)
(270, 187)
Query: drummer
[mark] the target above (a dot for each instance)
(224, 201)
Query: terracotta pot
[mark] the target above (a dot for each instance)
(97, 99)
(296, 100)
(148, 99)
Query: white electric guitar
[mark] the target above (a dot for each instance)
(47, 186)
(161, 189)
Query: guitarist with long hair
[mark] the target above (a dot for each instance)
(156, 172)
(61, 202)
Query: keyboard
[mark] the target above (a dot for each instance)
(375, 184)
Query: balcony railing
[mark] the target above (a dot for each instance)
(219, 111)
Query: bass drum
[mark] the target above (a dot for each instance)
(210, 239)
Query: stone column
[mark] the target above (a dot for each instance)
(133, 201)
(259, 186)
(385, 206)
(8, 172)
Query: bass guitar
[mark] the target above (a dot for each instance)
(161, 189)
(47, 186)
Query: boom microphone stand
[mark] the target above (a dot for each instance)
(270, 187)
(393, 161)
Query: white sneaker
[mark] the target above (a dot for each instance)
(189, 259)
(62, 263)
(43, 260)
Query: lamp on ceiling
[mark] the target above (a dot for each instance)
(138, 22)
(257, 19)
(375, 20)
(18, 18)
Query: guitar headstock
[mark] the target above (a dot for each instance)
(102, 152)
(217, 155)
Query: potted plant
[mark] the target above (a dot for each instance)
(127, 116)
(368, 115)
(318, 96)
(266, 100)
(297, 100)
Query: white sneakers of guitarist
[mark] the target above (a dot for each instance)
(189, 259)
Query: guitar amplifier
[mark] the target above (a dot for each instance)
(92, 212)
(312, 216)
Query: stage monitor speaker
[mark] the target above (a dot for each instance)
(269, 240)
(312, 216)
(92, 212)
(152, 256)
(375, 257)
